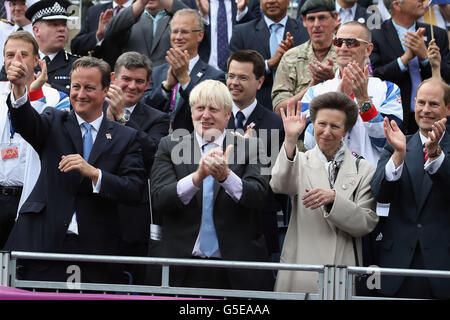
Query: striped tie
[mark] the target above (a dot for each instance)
(222, 36)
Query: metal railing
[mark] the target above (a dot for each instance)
(9, 262)
(335, 282)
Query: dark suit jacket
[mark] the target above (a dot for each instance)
(255, 35)
(238, 225)
(151, 126)
(265, 119)
(45, 216)
(361, 12)
(204, 49)
(86, 41)
(419, 215)
(387, 48)
(155, 97)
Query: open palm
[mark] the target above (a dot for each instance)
(293, 121)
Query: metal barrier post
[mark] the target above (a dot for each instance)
(328, 282)
(4, 268)
(340, 283)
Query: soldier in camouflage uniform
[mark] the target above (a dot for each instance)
(313, 61)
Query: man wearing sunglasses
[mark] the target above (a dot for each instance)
(400, 52)
(311, 62)
(375, 98)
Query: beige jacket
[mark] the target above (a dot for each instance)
(316, 236)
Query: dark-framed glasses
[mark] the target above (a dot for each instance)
(349, 42)
(184, 31)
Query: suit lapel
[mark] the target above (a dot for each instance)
(101, 141)
(74, 131)
(427, 183)
(291, 27)
(161, 26)
(147, 32)
(229, 139)
(255, 117)
(263, 36)
(136, 115)
(348, 178)
(414, 166)
(392, 38)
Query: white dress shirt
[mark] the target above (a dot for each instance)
(213, 7)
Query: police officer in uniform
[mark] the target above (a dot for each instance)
(49, 20)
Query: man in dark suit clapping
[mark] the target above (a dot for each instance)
(89, 165)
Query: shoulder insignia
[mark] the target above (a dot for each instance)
(7, 21)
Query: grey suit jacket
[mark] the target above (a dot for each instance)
(137, 35)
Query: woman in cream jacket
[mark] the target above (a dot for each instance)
(329, 188)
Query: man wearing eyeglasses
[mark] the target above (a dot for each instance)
(375, 98)
(400, 52)
(246, 69)
(313, 61)
(173, 81)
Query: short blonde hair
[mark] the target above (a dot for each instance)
(211, 92)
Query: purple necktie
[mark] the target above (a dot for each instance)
(222, 35)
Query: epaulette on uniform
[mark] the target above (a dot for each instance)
(71, 55)
(7, 21)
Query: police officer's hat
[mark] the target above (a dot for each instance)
(311, 6)
(28, 3)
(48, 10)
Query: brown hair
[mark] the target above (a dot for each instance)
(259, 67)
(25, 36)
(338, 101)
(91, 62)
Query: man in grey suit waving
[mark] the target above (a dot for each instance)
(144, 27)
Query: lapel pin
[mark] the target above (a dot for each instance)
(344, 186)
(108, 136)
(199, 74)
(353, 181)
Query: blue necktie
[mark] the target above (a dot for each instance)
(414, 73)
(222, 35)
(208, 237)
(87, 141)
(274, 27)
(240, 120)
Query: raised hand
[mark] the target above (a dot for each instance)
(216, 163)
(434, 55)
(284, 46)
(359, 80)
(203, 7)
(415, 42)
(116, 102)
(321, 72)
(18, 75)
(41, 77)
(396, 139)
(241, 4)
(435, 135)
(102, 22)
(179, 64)
(294, 123)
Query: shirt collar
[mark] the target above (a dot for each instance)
(125, 5)
(403, 30)
(218, 141)
(269, 22)
(193, 62)
(247, 111)
(352, 9)
(131, 109)
(51, 56)
(96, 123)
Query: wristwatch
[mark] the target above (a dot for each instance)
(366, 106)
(124, 119)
